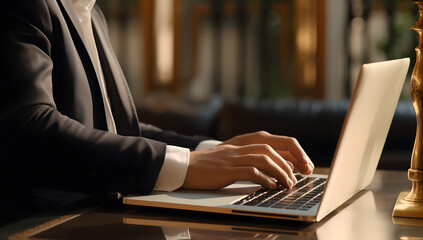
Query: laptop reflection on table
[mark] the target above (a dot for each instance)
(335, 226)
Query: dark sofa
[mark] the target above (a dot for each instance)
(316, 124)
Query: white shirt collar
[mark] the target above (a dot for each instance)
(85, 5)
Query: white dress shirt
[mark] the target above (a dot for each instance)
(174, 169)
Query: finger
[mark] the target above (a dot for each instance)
(292, 146)
(291, 165)
(255, 150)
(302, 167)
(254, 175)
(265, 164)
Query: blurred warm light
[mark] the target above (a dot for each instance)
(357, 36)
(358, 24)
(306, 44)
(163, 30)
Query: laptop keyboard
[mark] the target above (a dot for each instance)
(303, 196)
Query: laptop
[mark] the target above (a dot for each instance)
(366, 125)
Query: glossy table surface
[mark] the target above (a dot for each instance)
(366, 216)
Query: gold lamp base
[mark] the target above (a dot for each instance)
(407, 209)
(410, 205)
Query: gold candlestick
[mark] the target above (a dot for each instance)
(410, 204)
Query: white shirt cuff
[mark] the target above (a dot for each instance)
(174, 169)
(175, 166)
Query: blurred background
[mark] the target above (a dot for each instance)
(194, 49)
(225, 67)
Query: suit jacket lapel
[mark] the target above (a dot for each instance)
(67, 5)
(123, 108)
(121, 100)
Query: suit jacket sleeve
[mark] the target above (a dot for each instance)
(40, 144)
(171, 137)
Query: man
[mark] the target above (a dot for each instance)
(67, 119)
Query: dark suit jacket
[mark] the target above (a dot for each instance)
(52, 121)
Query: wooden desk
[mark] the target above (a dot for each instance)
(366, 216)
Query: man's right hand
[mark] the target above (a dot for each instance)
(257, 162)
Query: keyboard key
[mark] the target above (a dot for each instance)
(266, 204)
(293, 207)
(280, 205)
